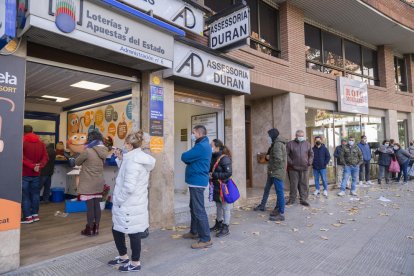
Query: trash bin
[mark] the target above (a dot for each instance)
(58, 194)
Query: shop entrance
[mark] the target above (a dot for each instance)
(190, 111)
(62, 101)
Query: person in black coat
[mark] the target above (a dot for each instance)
(220, 171)
(47, 172)
(385, 153)
(321, 159)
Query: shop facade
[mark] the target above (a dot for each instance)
(149, 79)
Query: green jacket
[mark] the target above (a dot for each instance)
(351, 156)
(277, 159)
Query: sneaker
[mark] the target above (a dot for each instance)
(118, 261)
(290, 202)
(202, 245)
(35, 217)
(341, 193)
(316, 193)
(325, 193)
(274, 212)
(369, 182)
(279, 217)
(259, 208)
(129, 268)
(353, 193)
(304, 203)
(190, 236)
(361, 183)
(405, 183)
(27, 220)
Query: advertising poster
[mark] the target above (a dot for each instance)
(209, 121)
(157, 111)
(12, 81)
(113, 119)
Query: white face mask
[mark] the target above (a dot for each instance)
(193, 138)
(269, 140)
(396, 147)
(301, 139)
(387, 144)
(212, 149)
(351, 143)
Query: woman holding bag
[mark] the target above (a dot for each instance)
(385, 153)
(130, 201)
(220, 171)
(403, 158)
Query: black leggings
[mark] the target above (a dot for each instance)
(135, 240)
(94, 211)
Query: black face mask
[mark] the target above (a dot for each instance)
(318, 143)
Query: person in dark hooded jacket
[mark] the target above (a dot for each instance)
(321, 158)
(276, 170)
(221, 171)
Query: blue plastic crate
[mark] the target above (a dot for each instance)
(75, 206)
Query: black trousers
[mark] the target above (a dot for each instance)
(135, 240)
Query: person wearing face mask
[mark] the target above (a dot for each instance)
(268, 185)
(197, 176)
(365, 166)
(339, 166)
(220, 172)
(130, 201)
(403, 158)
(385, 152)
(299, 159)
(411, 151)
(351, 156)
(320, 161)
(276, 170)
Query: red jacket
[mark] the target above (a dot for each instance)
(34, 152)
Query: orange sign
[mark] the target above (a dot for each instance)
(99, 116)
(10, 214)
(157, 144)
(112, 129)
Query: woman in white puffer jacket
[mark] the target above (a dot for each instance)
(130, 201)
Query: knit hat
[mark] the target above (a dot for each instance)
(273, 133)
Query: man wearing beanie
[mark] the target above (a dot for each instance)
(277, 172)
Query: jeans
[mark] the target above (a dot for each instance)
(364, 167)
(266, 191)
(30, 195)
(322, 174)
(199, 219)
(348, 172)
(46, 182)
(383, 171)
(404, 169)
(279, 186)
(134, 239)
(224, 212)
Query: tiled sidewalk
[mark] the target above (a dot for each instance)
(336, 236)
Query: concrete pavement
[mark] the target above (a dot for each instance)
(335, 236)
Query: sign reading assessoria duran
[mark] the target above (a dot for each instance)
(195, 64)
(98, 25)
(175, 11)
(230, 29)
(352, 96)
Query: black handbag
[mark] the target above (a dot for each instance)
(144, 234)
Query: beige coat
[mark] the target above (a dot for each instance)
(91, 179)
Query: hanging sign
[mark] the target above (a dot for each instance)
(8, 14)
(197, 65)
(174, 11)
(97, 25)
(231, 29)
(352, 96)
(12, 81)
(156, 111)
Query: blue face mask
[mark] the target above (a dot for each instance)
(193, 138)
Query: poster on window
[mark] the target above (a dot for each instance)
(113, 120)
(209, 121)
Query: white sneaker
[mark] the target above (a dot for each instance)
(353, 193)
(325, 193)
(316, 193)
(341, 193)
(361, 183)
(369, 182)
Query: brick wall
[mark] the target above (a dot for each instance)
(289, 73)
(400, 11)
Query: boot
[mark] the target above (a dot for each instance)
(95, 229)
(216, 226)
(274, 213)
(224, 231)
(87, 231)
